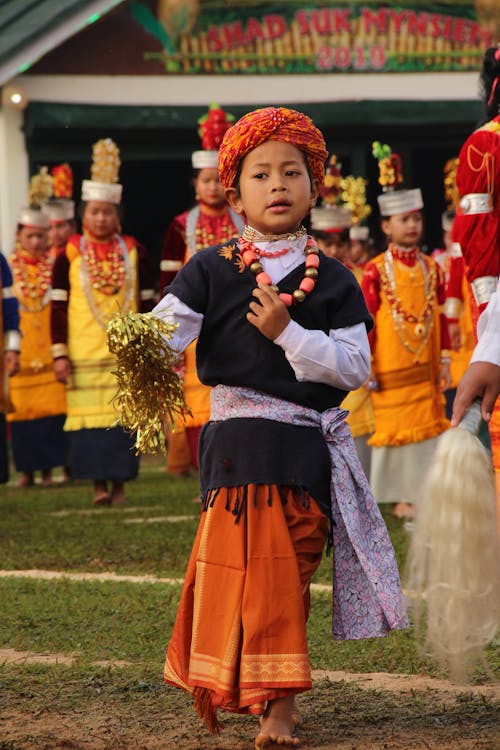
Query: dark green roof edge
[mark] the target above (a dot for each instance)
(41, 115)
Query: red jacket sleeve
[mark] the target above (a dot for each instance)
(147, 294)
(443, 320)
(479, 172)
(173, 252)
(59, 306)
(370, 286)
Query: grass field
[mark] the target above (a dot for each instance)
(101, 643)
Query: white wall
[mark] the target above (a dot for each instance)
(227, 90)
(14, 175)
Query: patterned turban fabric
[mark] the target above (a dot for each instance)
(271, 124)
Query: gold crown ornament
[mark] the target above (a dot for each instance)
(333, 215)
(394, 201)
(40, 191)
(354, 196)
(104, 185)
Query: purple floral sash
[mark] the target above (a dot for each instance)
(367, 596)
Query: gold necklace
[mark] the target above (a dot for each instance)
(252, 235)
(409, 326)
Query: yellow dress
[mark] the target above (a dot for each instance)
(38, 399)
(35, 393)
(408, 404)
(92, 385)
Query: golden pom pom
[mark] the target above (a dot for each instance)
(354, 196)
(149, 389)
(40, 189)
(105, 161)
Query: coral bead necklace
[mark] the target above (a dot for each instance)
(32, 278)
(251, 258)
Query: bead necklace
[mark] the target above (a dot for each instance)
(250, 256)
(32, 278)
(206, 236)
(106, 274)
(253, 235)
(266, 254)
(408, 325)
(107, 299)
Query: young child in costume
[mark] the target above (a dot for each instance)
(410, 345)
(38, 441)
(100, 271)
(330, 222)
(282, 336)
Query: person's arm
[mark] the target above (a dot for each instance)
(477, 223)
(370, 286)
(10, 309)
(188, 322)
(173, 252)
(454, 303)
(482, 377)
(145, 278)
(340, 359)
(10, 314)
(445, 341)
(59, 318)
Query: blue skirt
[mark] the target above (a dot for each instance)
(103, 454)
(39, 444)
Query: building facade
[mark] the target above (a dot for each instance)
(142, 73)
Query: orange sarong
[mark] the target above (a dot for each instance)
(240, 638)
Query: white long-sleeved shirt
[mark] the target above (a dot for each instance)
(340, 359)
(488, 331)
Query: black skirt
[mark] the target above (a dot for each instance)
(103, 454)
(39, 444)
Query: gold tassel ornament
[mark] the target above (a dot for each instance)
(149, 388)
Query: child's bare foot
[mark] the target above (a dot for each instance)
(46, 480)
(278, 725)
(27, 480)
(101, 496)
(296, 715)
(118, 493)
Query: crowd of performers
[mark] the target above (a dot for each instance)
(425, 307)
(381, 342)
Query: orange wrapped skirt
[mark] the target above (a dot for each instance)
(240, 639)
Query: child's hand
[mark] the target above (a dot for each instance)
(62, 369)
(269, 314)
(12, 362)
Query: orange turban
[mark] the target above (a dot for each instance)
(271, 124)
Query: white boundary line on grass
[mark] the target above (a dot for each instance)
(49, 575)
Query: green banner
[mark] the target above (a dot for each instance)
(239, 37)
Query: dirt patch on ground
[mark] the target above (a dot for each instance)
(366, 681)
(337, 716)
